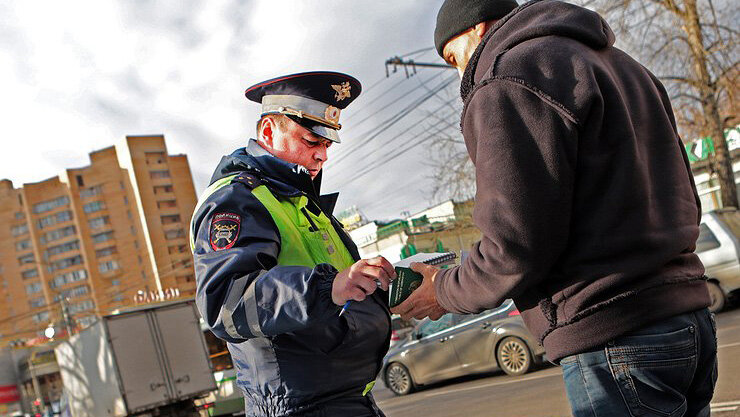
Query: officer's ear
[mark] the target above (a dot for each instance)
(266, 131)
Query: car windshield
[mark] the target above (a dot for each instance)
(430, 327)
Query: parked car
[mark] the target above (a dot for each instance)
(719, 250)
(400, 328)
(457, 345)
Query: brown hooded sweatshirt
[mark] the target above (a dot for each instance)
(586, 204)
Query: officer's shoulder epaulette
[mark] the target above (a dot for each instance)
(250, 179)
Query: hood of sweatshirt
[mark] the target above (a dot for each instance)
(535, 19)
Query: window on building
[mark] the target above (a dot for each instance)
(58, 234)
(33, 288)
(91, 191)
(175, 233)
(63, 279)
(73, 292)
(117, 299)
(107, 266)
(30, 273)
(37, 302)
(98, 222)
(64, 247)
(177, 249)
(41, 317)
(155, 157)
(125, 201)
(110, 250)
(159, 174)
(81, 306)
(19, 215)
(115, 282)
(23, 245)
(86, 321)
(161, 189)
(26, 259)
(185, 279)
(80, 181)
(53, 219)
(102, 237)
(170, 218)
(49, 205)
(65, 263)
(20, 229)
(166, 204)
(93, 206)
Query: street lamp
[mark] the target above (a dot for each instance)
(49, 332)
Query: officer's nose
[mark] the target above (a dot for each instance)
(321, 153)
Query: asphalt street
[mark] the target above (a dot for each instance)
(541, 393)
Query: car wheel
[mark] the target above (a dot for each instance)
(718, 297)
(513, 356)
(398, 379)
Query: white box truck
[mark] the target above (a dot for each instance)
(146, 361)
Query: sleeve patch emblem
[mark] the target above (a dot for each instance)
(224, 230)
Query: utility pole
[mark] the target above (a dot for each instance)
(397, 61)
(66, 317)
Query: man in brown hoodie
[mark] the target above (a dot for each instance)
(587, 207)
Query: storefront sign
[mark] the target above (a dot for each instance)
(145, 297)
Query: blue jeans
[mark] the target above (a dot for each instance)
(666, 369)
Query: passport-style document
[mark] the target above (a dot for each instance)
(407, 280)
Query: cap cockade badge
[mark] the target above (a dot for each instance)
(224, 230)
(342, 91)
(332, 114)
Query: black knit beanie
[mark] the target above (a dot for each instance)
(456, 16)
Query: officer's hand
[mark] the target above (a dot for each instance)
(423, 301)
(362, 279)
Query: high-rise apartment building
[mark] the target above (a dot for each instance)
(86, 242)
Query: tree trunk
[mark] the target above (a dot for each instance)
(722, 162)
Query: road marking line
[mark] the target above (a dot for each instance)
(719, 410)
(725, 404)
(728, 345)
(493, 384)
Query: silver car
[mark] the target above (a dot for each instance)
(719, 250)
(457, 345)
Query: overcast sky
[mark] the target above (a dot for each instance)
(79, 76)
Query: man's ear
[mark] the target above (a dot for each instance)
(266, 132)
(481, 28)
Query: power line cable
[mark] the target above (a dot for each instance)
(395, 154)
(392, 139)
(395, 119)
(395, 99)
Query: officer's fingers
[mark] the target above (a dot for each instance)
(378, 274)
(380, 280)
(383, 263)
(356, 294)
(366, 284)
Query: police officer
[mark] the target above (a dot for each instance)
(274, 266)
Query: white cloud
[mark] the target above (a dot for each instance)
(81, 75)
